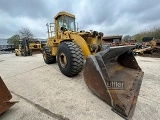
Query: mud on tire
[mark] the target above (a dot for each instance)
(73, 57)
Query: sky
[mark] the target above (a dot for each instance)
(112, 17)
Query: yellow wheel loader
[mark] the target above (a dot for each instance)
(35, 46)
(111, 74)
(69, 46)
(28, 47)
(23, 49)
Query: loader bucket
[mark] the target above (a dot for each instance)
(115, 76)
(36, 51)
(5, 96)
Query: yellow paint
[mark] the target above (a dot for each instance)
(81, 43)
(18, 52)
(153, 42)
(86, 41)
(54, 50)
(62, 14)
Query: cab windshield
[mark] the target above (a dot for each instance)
(68, 23)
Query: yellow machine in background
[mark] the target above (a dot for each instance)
(69, 45)
(23, 49)
(153, 42)
(35, 46)
(28, 47)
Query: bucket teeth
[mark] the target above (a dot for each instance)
(115, 76)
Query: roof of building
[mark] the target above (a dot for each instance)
(112, 37)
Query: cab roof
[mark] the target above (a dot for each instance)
(64, 13)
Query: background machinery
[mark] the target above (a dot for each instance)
(103, 67)
(28, 47)
(35, 46)
(23, 49)
(149, 47)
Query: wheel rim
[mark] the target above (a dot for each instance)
(44, 55)
(63, 60)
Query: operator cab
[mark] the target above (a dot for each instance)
(65, 21)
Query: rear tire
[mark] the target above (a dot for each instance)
(70, 58)
(48, 58)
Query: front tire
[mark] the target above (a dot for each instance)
(70, 58)
(48, 58)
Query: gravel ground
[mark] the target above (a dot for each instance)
(45, 94)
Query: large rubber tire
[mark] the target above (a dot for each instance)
(74, 58)
(48, 58)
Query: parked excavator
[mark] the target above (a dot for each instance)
(112, 74)
(5, 96)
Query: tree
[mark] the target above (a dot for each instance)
(138, 37)
(14, 40)
(25, 33)
(153, 32)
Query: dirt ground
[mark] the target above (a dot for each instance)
(45, 94)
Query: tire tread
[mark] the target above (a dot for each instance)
(49, 58)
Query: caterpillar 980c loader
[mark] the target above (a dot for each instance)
(112, 74)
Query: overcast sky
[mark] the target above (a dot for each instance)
(125, 17)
